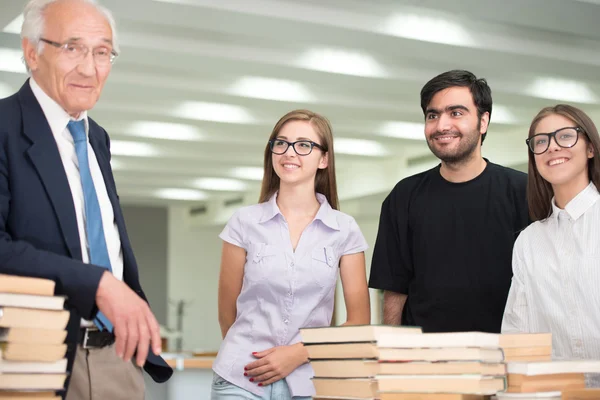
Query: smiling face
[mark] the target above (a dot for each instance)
(75, 85)
(292, 168)
(558, 165)
(452, 126)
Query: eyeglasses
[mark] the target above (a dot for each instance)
(301, 147)
(564, 137)
(76, 51)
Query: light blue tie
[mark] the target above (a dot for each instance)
(93, 217)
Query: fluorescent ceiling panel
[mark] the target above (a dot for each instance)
(428, 29)
(224, 184)
(180, 194)
(165, 130)
(14, 26)
(403, 130)
(249, 173)
(359, 147)
(271, 89)
(116, 164)
(502, 115)
(132, 149)
(11, 60)
(342, 62)
(217, 112)
(562, 90)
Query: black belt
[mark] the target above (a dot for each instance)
(92, 338)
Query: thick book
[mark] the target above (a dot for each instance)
(345, 388)
(371, 351)
(352, 333)
(32, 301)
(544, 383)
(368, 368)
(26, 285)
(554, 367)
(32, 381)
(432, 396)
(465, 384)
(31, 352)
(508, 340)
(438, 340)
(32, 335)
(28, 395)
(15, 317)
(23, 367)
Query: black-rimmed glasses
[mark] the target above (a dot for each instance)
(564, 137)
(77, 51)
(301, 147)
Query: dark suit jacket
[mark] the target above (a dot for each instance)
(38, 227)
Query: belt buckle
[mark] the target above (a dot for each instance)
(86, 337)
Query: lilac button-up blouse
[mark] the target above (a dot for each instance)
(283, 290)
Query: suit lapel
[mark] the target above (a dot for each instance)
(45, 157)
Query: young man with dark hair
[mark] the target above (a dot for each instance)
(444, 247)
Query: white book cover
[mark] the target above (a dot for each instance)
(554, 367)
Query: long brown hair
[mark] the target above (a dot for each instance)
(539, 191)
(325, 180)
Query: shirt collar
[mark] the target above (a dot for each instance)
(580, 204)
(56, 116)
(325, 214)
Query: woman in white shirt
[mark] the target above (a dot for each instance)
(556, 260)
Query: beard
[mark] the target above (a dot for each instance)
(464, 151)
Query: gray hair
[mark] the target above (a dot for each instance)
(34, 19)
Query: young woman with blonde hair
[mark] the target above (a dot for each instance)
(280, 264)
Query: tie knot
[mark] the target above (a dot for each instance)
(77, 129)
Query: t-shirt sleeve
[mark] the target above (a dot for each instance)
(391, 266)
(233, 231)
(355, 241)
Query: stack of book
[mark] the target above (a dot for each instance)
(550, 380)
(32, 335)
(401, 363)
(526, 347)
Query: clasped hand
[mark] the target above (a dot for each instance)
(275, 363)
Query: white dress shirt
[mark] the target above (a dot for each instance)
(58, 119)
(556, 282)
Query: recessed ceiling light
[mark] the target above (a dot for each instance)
(213, 112)
(180, 194)
(165, 130)
(224, 184)
(133, 149)
(428, 29)
(562, 89)
(249, 173)
(341, 62)
(359, 147)
(403, 130)
(11, 60)
(14, 26)
(271, 89)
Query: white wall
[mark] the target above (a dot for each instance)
(194, 257)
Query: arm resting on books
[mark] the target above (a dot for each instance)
(356, 293)
(233, 259)
(393, 304)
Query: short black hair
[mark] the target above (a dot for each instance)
(481, 92)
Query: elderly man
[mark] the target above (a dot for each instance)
(60, 216)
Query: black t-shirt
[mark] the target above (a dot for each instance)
(448, 246)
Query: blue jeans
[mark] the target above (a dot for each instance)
(224, 390)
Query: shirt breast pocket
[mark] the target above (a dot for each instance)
(261, 260)
(324, 266)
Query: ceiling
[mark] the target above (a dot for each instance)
(199, 84)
